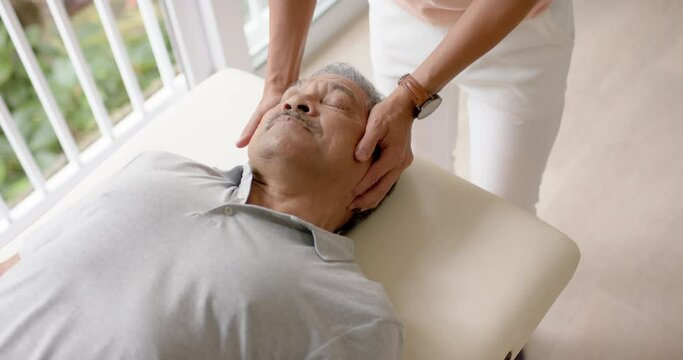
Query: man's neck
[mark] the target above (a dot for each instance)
(301, 196)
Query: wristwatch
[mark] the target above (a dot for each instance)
(425, 103)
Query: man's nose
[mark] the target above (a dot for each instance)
(299, 104)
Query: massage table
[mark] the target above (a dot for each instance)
(470, 275)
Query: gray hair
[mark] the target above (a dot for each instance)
(351, 73)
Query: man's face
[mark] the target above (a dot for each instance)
(318, 123)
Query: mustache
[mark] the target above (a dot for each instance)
(305, 120)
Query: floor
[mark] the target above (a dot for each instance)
(613, 183)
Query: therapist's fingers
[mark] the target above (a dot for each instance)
(394, 144)
(379, 178)
(389, 160)
(376, 131)
(389, 124)
(371, 198)
(268, 101)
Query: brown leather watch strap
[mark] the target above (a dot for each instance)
(416, 91)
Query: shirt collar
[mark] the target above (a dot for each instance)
(329, 246)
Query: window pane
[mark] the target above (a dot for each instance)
(255, 14)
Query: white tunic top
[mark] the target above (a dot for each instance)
(447, 12)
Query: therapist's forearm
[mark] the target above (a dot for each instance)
(483, 25)
(290, 21)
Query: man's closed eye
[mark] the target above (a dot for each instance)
(337, 104)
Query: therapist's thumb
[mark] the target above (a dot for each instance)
(249, 129)
(268, 101)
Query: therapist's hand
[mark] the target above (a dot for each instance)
(389, 126)
(268, 101)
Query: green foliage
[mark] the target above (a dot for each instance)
(17, 91)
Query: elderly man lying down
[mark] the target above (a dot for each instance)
(173, 259)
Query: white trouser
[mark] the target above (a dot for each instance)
(515, 95)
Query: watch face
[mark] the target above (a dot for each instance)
(428, 107)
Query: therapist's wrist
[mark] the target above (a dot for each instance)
(401, 100)
(279, 81)
(275, 88)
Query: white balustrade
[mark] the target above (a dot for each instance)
(46, 192)
(21, 150)
(130, 81)
(28, 59)
(81, 67)
(156, 40)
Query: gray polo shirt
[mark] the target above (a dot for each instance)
(166, 261)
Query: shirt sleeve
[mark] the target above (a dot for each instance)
(379, 339)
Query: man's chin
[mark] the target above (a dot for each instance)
(290, 146)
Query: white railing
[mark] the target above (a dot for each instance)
(45, 96)
(81, 66)
(130, 81)
(46, 192)
(207, 35)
